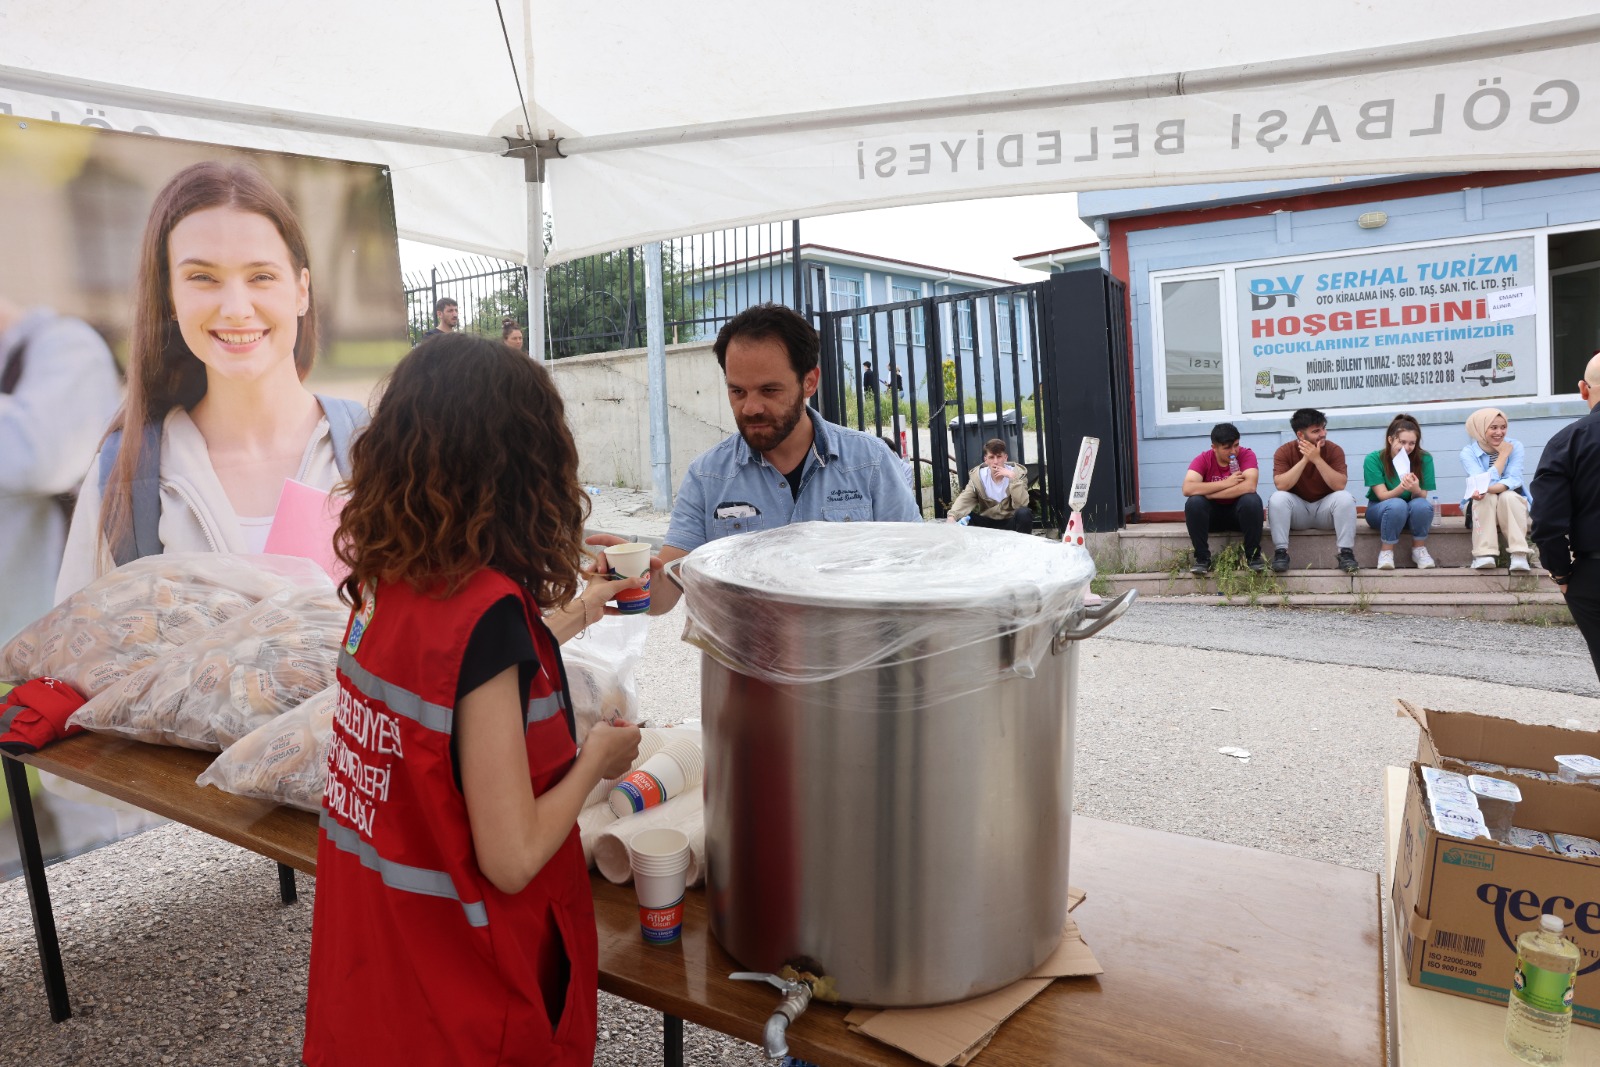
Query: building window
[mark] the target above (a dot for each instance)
(1192, 344)
(1003, 311)
(844, 293)
(964, 316)
(900, 294)
(1574, 306)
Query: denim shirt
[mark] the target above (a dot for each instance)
(1475, 460)
(848, 476)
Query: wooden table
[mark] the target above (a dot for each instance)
(1431, 1027)
(1214, 954)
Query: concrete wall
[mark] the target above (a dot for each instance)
(608, 408)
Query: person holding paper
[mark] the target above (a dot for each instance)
(1496, 502)
(1399, 477)
(217, 415)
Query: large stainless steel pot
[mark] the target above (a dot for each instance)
(910, 845)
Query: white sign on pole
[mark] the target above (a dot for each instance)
(1397, 326)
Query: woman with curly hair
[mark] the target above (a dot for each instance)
(453, 920)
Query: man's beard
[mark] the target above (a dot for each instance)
(771, 432)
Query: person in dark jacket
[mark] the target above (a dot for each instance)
(1566, 512)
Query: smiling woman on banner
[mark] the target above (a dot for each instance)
(217, 414)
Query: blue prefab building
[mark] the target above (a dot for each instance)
(1363, 298)
(837, 279)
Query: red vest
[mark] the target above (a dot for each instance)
(415, 956)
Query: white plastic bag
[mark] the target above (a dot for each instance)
(285, 761)
(600, 664)
(124, 620)
(215, 689)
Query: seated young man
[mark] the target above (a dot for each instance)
(1221, 487)
(996, 494)
(1309, 475)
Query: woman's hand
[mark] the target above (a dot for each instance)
(1478, 495)
(1411, 484)
(612, 747)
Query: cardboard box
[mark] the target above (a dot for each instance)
(1450, 736)
(1459, 905)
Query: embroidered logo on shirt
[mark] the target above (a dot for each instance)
(839, 496)
(363, 619)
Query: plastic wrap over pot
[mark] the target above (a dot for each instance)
(816, 601)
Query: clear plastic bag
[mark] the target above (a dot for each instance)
(600, 663)
(284, 761)
(235, 677)
(816, 601)
(124, 620)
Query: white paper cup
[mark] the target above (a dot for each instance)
(660, 860)
(677, 767)
(630, 560)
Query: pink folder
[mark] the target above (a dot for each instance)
(304, 525)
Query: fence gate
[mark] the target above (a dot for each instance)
(1038, 366)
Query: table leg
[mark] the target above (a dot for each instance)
(44, 920)
(671, 1041)
(286, 889)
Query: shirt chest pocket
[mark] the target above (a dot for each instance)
(855, 511)
(737, 524)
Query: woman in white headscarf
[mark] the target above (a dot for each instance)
(1496, 492)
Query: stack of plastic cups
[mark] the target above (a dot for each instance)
(1497, 802)
(660, 860)
(676, 768)
(1578, 768)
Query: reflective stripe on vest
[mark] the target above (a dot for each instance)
(399, 875)
(398, 700)
(541, 708)
(17, 709)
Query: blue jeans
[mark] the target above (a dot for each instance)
(1393, 516)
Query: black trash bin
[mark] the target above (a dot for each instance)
(970, 432)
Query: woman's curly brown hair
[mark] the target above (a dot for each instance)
(468, 463)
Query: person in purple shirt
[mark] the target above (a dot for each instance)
(1221, 488)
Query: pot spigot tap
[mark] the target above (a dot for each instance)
(797, 990)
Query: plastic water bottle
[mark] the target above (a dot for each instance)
(964, 520)
(1539, 1015)
(1233, 465)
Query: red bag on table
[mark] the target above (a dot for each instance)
(35, 713)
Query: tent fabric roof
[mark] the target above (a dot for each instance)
(602, 73)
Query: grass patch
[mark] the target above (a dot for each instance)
(1236, 581)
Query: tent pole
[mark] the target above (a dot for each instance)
(536, 272)
(656, 339)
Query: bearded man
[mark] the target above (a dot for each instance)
(786, 464)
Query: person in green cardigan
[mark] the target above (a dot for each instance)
(1399, 477)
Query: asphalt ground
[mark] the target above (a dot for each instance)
(178, 952)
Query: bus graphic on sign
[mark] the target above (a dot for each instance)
(1497, 368)
(1274, 383)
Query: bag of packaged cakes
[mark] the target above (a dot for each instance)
(124, 620)
(233, 678)
(284, 761)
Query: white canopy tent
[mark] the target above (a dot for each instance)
(676, 120)
(657, 120)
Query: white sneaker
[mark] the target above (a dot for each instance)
(1420, 557)
(1519, 561)
(1482, 563)
(1386, 560)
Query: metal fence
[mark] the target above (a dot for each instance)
(596, 304)
(486, 291)
(940, 376)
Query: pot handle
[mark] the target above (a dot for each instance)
(670, 569)
(1090, 621)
